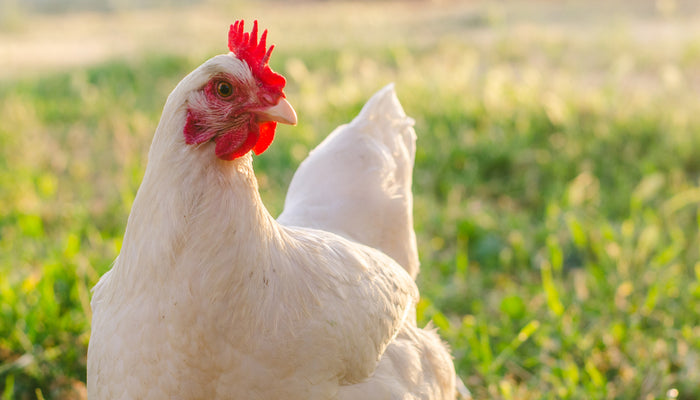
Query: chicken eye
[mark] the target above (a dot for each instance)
(224, 89)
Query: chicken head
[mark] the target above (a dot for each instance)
(240, 104)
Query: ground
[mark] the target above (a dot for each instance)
(557, 176)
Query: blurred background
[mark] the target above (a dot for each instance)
(557, 175)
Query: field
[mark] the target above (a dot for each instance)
(557, 180)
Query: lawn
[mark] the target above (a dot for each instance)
(557, 178)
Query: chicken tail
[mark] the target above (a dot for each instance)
(357, 182)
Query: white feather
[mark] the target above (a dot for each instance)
(357, 182)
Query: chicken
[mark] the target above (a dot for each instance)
(212, 298)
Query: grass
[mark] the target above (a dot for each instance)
(557, 190)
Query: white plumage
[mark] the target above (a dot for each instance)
(212, 298)
(357, 182)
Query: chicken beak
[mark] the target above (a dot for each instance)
(282, 112)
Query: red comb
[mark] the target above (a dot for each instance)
(247, 48)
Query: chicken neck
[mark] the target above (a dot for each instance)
(196, 219)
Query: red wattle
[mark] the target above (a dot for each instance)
(238, 142)
(267, 133)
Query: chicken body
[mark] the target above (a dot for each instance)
(212, 298)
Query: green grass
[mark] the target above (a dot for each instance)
(557, 204)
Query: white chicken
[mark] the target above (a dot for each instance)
(212, 298)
